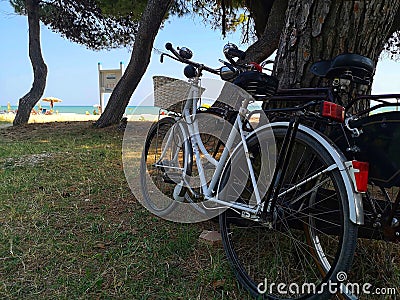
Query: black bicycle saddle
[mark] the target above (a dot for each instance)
(350, 66)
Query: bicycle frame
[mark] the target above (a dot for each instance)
(190, 129)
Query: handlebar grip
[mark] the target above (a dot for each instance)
(168, 46)
(236, 53)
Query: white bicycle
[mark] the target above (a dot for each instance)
(286, 197)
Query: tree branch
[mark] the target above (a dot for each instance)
(260, 11)
(396, 24)
(269, 40)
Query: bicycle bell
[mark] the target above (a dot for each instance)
(186, 53)
(228, 47)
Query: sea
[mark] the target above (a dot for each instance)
(130, 110)
(133, 110)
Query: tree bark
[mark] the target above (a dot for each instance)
(149, 25)
(260, 11)
(27, 102)
(317, 30)
(268, 42)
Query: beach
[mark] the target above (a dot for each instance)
(79, 114)
(71, 117)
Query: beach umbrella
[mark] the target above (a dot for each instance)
(52, 100)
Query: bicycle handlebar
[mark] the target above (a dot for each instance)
(177, 57)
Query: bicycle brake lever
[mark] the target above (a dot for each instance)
(162, 58)
(230, 66)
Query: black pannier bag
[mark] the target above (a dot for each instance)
(379, 144)
(261, 86)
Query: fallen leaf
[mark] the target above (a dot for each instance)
(218, 283)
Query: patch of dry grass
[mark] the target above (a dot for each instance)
(70, 227)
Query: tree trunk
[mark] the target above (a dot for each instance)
(322, 29)
(268, 42)
(149, 25)
(27, 102)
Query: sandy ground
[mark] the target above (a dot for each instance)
(5, 125)
(66, 117)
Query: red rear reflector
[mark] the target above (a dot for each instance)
(361, 175)
(332, 111)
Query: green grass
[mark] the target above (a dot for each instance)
(70, 227)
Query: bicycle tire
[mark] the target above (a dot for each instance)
(160, 206)
(300, 248)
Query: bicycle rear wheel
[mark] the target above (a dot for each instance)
(312, 238)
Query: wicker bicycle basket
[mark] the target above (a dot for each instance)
(171, 93)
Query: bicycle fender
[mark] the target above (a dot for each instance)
(356, 211)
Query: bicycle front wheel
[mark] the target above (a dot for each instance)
(165, 163)
(312, 239)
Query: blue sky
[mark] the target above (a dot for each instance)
(73, 73)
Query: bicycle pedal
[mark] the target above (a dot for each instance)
(179, 193)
